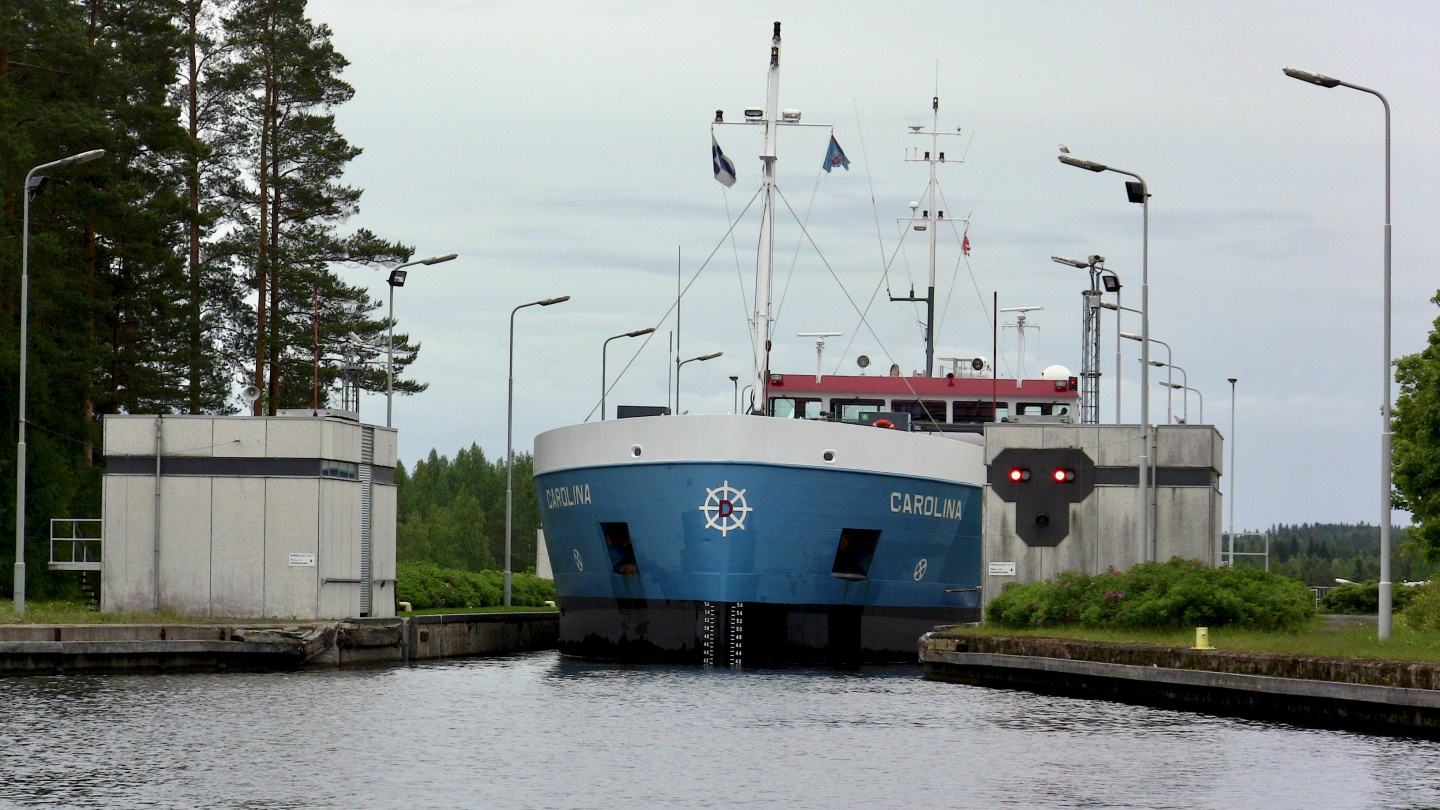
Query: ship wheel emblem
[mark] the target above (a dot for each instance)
(725, 508)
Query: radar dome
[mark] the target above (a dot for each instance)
(1056, 372)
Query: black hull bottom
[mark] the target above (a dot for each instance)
(734, 634)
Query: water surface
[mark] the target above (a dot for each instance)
(539, 731)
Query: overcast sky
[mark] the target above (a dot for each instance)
(564, 149)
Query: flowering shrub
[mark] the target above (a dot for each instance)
(1363, 598)
(426, 585)
(1168, 595)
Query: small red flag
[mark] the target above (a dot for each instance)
(965, 246)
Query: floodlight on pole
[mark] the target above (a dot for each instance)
(1142, 192)
(605, 347)
(397, 279)
(27, 192)
(1387, 459)
(509, 444)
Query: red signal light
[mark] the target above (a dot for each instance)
(1019, 474)
(1061, 476)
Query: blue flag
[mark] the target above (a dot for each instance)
(724, 169)
(835, 156)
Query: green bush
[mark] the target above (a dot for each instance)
(1363, 598)
(426, 586)
(1422, 607)
(1162, 596)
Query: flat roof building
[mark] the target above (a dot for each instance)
(289, 516)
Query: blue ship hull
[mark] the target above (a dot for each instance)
(730, 563)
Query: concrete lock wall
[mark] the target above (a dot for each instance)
(259, 516)
(1104, 525)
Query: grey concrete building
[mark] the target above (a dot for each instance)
(291, 516)
(1036, 528)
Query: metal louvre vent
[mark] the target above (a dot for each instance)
(367, 458)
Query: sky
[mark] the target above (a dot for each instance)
(563, 149)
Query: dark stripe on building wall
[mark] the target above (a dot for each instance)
(244, 467)
(1163, 476)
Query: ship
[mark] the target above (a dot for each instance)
(832, 519)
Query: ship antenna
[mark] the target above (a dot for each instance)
(930, 219)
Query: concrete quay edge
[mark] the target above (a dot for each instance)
(1328, 695)
(268, 645)
(1297, 687)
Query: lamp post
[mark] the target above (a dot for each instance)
(1188, 389)
(1232, 472)
(1386, 458)
(509, 448)
(604, 347)
(1138, 192)
(33, 186)
(681, 365)
(735, 381)
(1169, 404)
(397, 279)
(1184, 378)
(1112, 284)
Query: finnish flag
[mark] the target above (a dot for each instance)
(835, 156)
(724, 169)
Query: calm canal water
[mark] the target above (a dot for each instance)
(538, 731)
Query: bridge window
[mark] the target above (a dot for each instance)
(796, 408)
(932, 411)
(1042, 409)
(849, 410)
(970, 413)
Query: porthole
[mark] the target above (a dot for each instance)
(829, 456)
(635, 451)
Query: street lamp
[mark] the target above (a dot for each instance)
(509, 423)
(681, 365)
(1137, 192)
(33, 186)
(1179, 386)
(1170, 401)
(1386, 458)
(604, 347)
(735, 381)
(397, 279)
(1184, 378)
(1232, 472)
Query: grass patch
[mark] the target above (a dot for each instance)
(1314, 638)
(491, 609)
(80, 613)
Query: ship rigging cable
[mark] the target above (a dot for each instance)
(841, 284)
(671, 308)
(885, 282)
(798, 244)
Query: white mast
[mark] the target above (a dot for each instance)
(930, 220)
(760, 394)
(1020, 326)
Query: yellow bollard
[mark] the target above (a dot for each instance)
(1202, 638)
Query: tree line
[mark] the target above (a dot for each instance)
(207, 249)
(452, 513)
(1319, 553)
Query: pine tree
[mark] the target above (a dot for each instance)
(285, 77)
